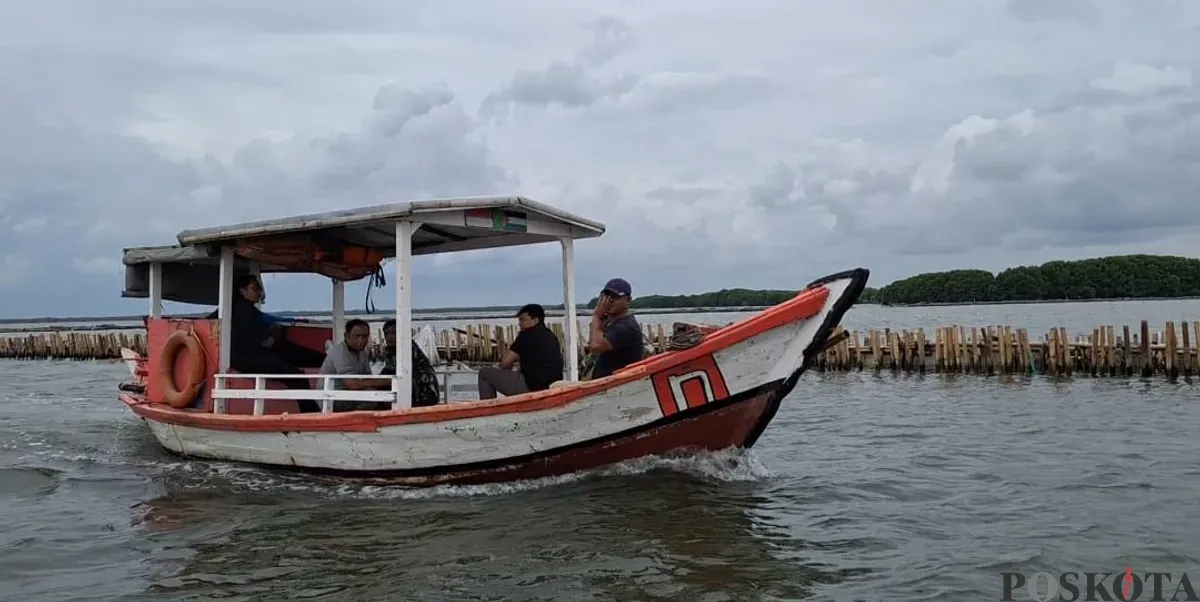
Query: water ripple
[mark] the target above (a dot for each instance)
(867, 487)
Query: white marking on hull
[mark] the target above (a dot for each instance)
(676, 383)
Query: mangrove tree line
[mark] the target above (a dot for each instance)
(1117, 277)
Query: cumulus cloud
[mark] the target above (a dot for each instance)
(722, 145)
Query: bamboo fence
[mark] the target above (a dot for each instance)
(1104, 351)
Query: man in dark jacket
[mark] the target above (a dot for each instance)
(258, 348)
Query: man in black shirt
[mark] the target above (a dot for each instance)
(615, 337)
(538, 351)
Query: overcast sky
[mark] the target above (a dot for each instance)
(756, 144)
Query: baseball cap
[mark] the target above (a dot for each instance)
(619, 287)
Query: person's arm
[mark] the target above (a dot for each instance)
(513, 354)
(343, 367)
(367, 384)
(597, 343)
(623, 335)
(270, 319)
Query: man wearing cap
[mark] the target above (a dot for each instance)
(614, 335)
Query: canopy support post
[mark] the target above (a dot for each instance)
(156, 308)
(224, 308)
(339, 311)
(570, 322)
(402, 381)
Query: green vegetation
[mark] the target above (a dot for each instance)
(730, 297)
(1118, 277)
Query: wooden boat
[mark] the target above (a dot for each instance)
(720, 392)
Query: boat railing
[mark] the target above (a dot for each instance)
(326, 393)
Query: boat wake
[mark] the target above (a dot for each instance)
(722, 466)
(195, 476)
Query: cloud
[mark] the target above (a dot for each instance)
(722, 146)
(572, 84)
(1132, 79)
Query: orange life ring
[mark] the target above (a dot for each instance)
(175, 397)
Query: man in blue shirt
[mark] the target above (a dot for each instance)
(615, 336)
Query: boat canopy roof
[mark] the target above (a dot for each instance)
(452, 224)
(346, 244)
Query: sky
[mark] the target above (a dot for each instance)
(755, 144)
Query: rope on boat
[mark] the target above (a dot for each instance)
(686, 336)
(375, 279)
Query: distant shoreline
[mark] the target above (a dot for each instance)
(1034, 301)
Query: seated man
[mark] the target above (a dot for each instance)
(424, 379)
(538, 351)
(350, 357)
(267, 318)
(614, 336)
(255, 347)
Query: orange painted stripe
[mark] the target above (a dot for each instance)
(804, 305)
